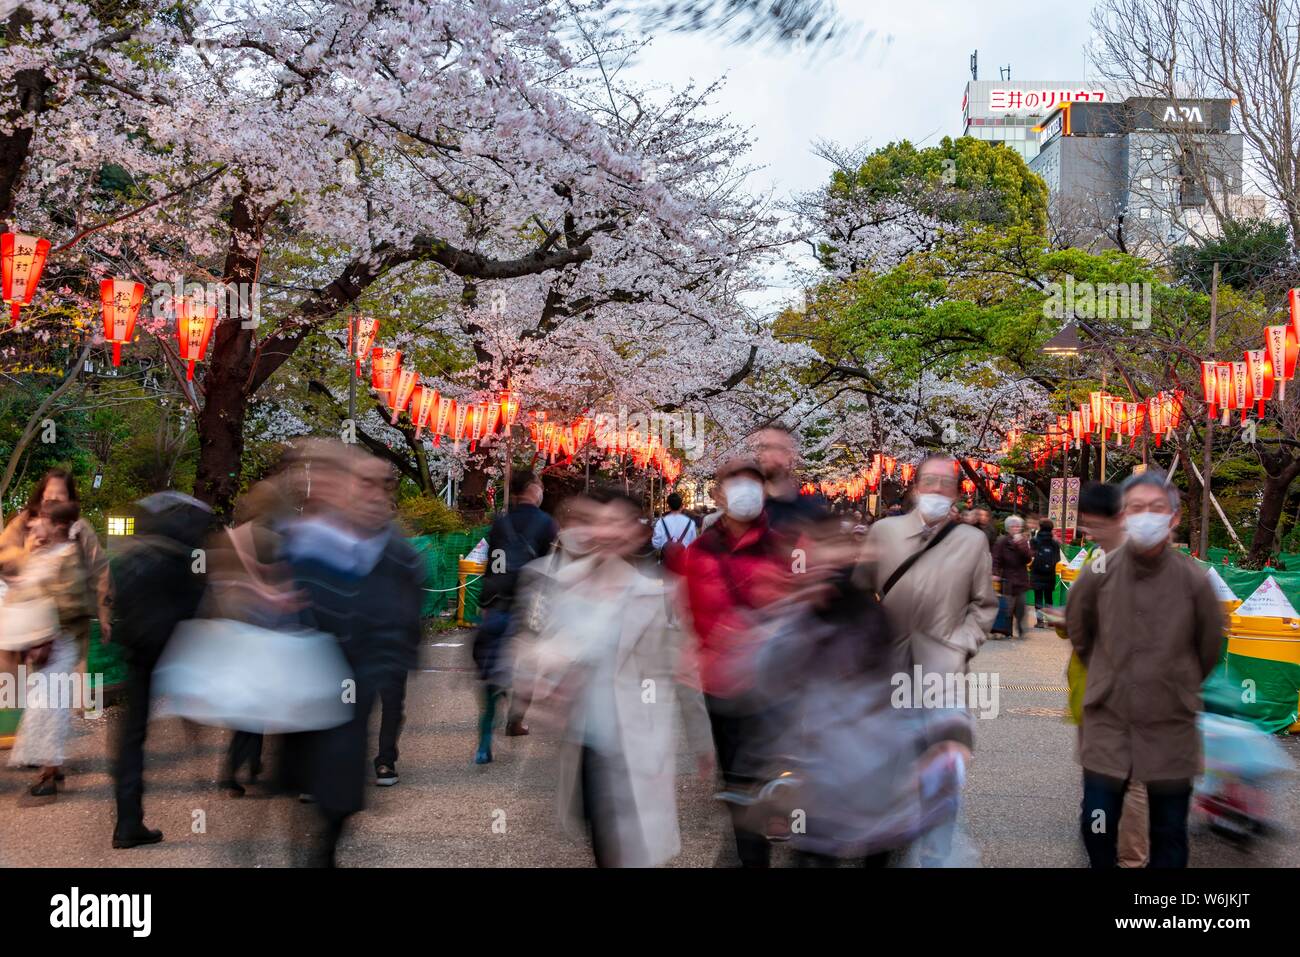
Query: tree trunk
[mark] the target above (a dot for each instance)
(1277, 482)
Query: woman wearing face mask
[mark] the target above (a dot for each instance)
(732, 571)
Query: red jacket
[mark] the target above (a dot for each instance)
(727, 579)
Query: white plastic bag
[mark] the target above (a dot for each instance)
(235, 675)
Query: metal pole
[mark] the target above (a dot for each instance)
(1103, 431)
(1208, 453)
(509, 462)
(352, 374)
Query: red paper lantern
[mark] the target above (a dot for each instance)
(194, 321)
(403, 386)
(361, 338)
(1224, 389)
(509, 403)
(1260, 371)
(384, 364)
(1243, 389)
(423, 403)
(1209, 386)
(458, 426)
(22, 260)
(120, 299)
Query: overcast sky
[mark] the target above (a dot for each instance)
(905, 83)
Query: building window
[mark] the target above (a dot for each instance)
(121, 526)
(1146, 182)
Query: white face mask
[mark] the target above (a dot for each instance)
(577, 540)
(933, 507)
(744, 499)
(1147, 529)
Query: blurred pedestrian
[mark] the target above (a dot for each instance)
(52, 571)
(1011, 556)
(788, 512)
(600, 660)
(852, 757)
(734, 569)
(363, 584)
(157, 584)
(1147, 625)
(521, 535)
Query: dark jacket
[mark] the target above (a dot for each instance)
(521, 535)
(1011, 564)
(155, 583)
(1046, 553)
(376, 618)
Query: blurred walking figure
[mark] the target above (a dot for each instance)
(1042, 571)
(600, 659)
(853, 759)
(1149, 629)
(733, 570)
(777, 454)
(934, 576)
(518, 537)
(155, 586)
(52, 571)
(247, 582)
(1011, 556)
(57, 486)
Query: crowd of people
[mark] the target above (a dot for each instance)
(774, 631)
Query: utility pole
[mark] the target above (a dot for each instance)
(1207, 458)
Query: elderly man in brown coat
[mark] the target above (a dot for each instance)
(1149, 628)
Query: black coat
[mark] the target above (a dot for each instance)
(1047, 552)
(376, 619)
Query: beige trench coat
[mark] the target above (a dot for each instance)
(555, 659)
(945, 602)
(1149, 632)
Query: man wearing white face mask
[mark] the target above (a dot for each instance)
(732, 571)
(934, 576)
(1149, 629)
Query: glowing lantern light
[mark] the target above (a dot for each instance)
(509, 403)
(1209, 386)
(1227, 395)
(458, 427)
(1260, 371)
(384, 364)
(444, 412)
(1243, 390)
(403, 387)
(1293, 301)
(121, 300)
(424, 401)
(22, 260)
(194, 321)
(361, 338)
(1281, 341)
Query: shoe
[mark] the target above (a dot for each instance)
(483, 755)
(135, 835)
(385, 776)
(516, 728)
(231, 788)
(306, 799)
(59, 776)
(45, 787)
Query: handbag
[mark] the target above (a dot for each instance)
(26, 624)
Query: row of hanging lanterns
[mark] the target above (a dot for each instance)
(555, 440)
(22, 260)
(1105, 415)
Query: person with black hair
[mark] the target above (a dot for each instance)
(1046, 553)
(522, 534)
(673, 533)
